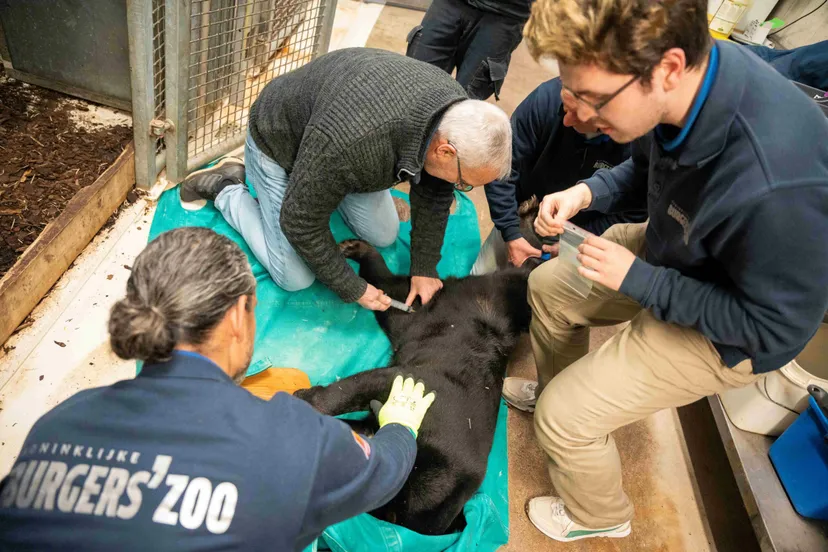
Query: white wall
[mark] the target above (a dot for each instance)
(813, 28)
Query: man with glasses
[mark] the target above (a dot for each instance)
(336, 135)
(726, 281)
(552, 149)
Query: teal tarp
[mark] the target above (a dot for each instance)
(313, 330)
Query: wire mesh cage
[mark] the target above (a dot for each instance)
(158, 66)
(236, 48)
(200, 64)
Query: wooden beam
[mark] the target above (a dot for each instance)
(45, 261)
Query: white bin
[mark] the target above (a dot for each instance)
(774, 401)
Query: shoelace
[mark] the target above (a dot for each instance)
(559, 510)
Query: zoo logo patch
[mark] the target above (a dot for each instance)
(363, 444)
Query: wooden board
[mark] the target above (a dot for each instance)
(45, 261)
(267, 383)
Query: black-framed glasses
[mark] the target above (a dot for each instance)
(597, 107)
(460, 185)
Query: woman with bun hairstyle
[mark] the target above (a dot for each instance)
(181, 457)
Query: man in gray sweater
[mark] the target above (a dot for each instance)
(337, 134)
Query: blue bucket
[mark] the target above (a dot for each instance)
(800, 457)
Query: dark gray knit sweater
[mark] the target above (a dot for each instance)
(354, 121)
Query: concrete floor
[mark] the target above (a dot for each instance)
(36, 373)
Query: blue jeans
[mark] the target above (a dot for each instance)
(371, 216)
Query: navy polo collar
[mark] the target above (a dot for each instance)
(709, 131)
(185, 364)
(594, 141)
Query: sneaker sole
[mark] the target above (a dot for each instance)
(192, 196)
(223, 161)
(522, 408)
(609, 535)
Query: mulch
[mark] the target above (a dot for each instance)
(45, 158)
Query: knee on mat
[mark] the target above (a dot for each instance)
(296, 281)
(386, 237)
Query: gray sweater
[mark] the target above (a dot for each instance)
(354, 121)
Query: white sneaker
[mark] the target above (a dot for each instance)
(548, 514)
(520, 393)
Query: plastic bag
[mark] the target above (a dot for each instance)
(568, 262)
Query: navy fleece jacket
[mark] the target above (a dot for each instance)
(737, 243)
(181, 458)
(549, 157)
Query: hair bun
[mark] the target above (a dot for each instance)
(141, 332)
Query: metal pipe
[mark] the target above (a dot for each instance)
(139, 25)
(204, 45)
(323, 39)
(177, 55)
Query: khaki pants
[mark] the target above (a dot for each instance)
(583, 397)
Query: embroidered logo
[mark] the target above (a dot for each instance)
(681, 217)
(363, 444)
(602, 165)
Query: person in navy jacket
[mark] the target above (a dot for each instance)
(551, 151)
(181, 457)
(726, 281)
(807, 64)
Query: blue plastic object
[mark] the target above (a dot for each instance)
(800, 457)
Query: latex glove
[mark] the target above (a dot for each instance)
(519, 250)
(374, 299)
(406, 404)
(559, 207)
(425, 287)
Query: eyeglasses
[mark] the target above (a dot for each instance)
(460, 186)
(597, 107)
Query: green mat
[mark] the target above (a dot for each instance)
(314, 331)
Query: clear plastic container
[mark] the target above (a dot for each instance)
(568, 260)
(773, 402)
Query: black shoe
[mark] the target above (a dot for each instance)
(208, 183)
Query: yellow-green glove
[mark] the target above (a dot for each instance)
(406, 404)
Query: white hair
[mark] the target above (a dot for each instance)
(482, 134)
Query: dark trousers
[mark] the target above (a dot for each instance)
(479, 44)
